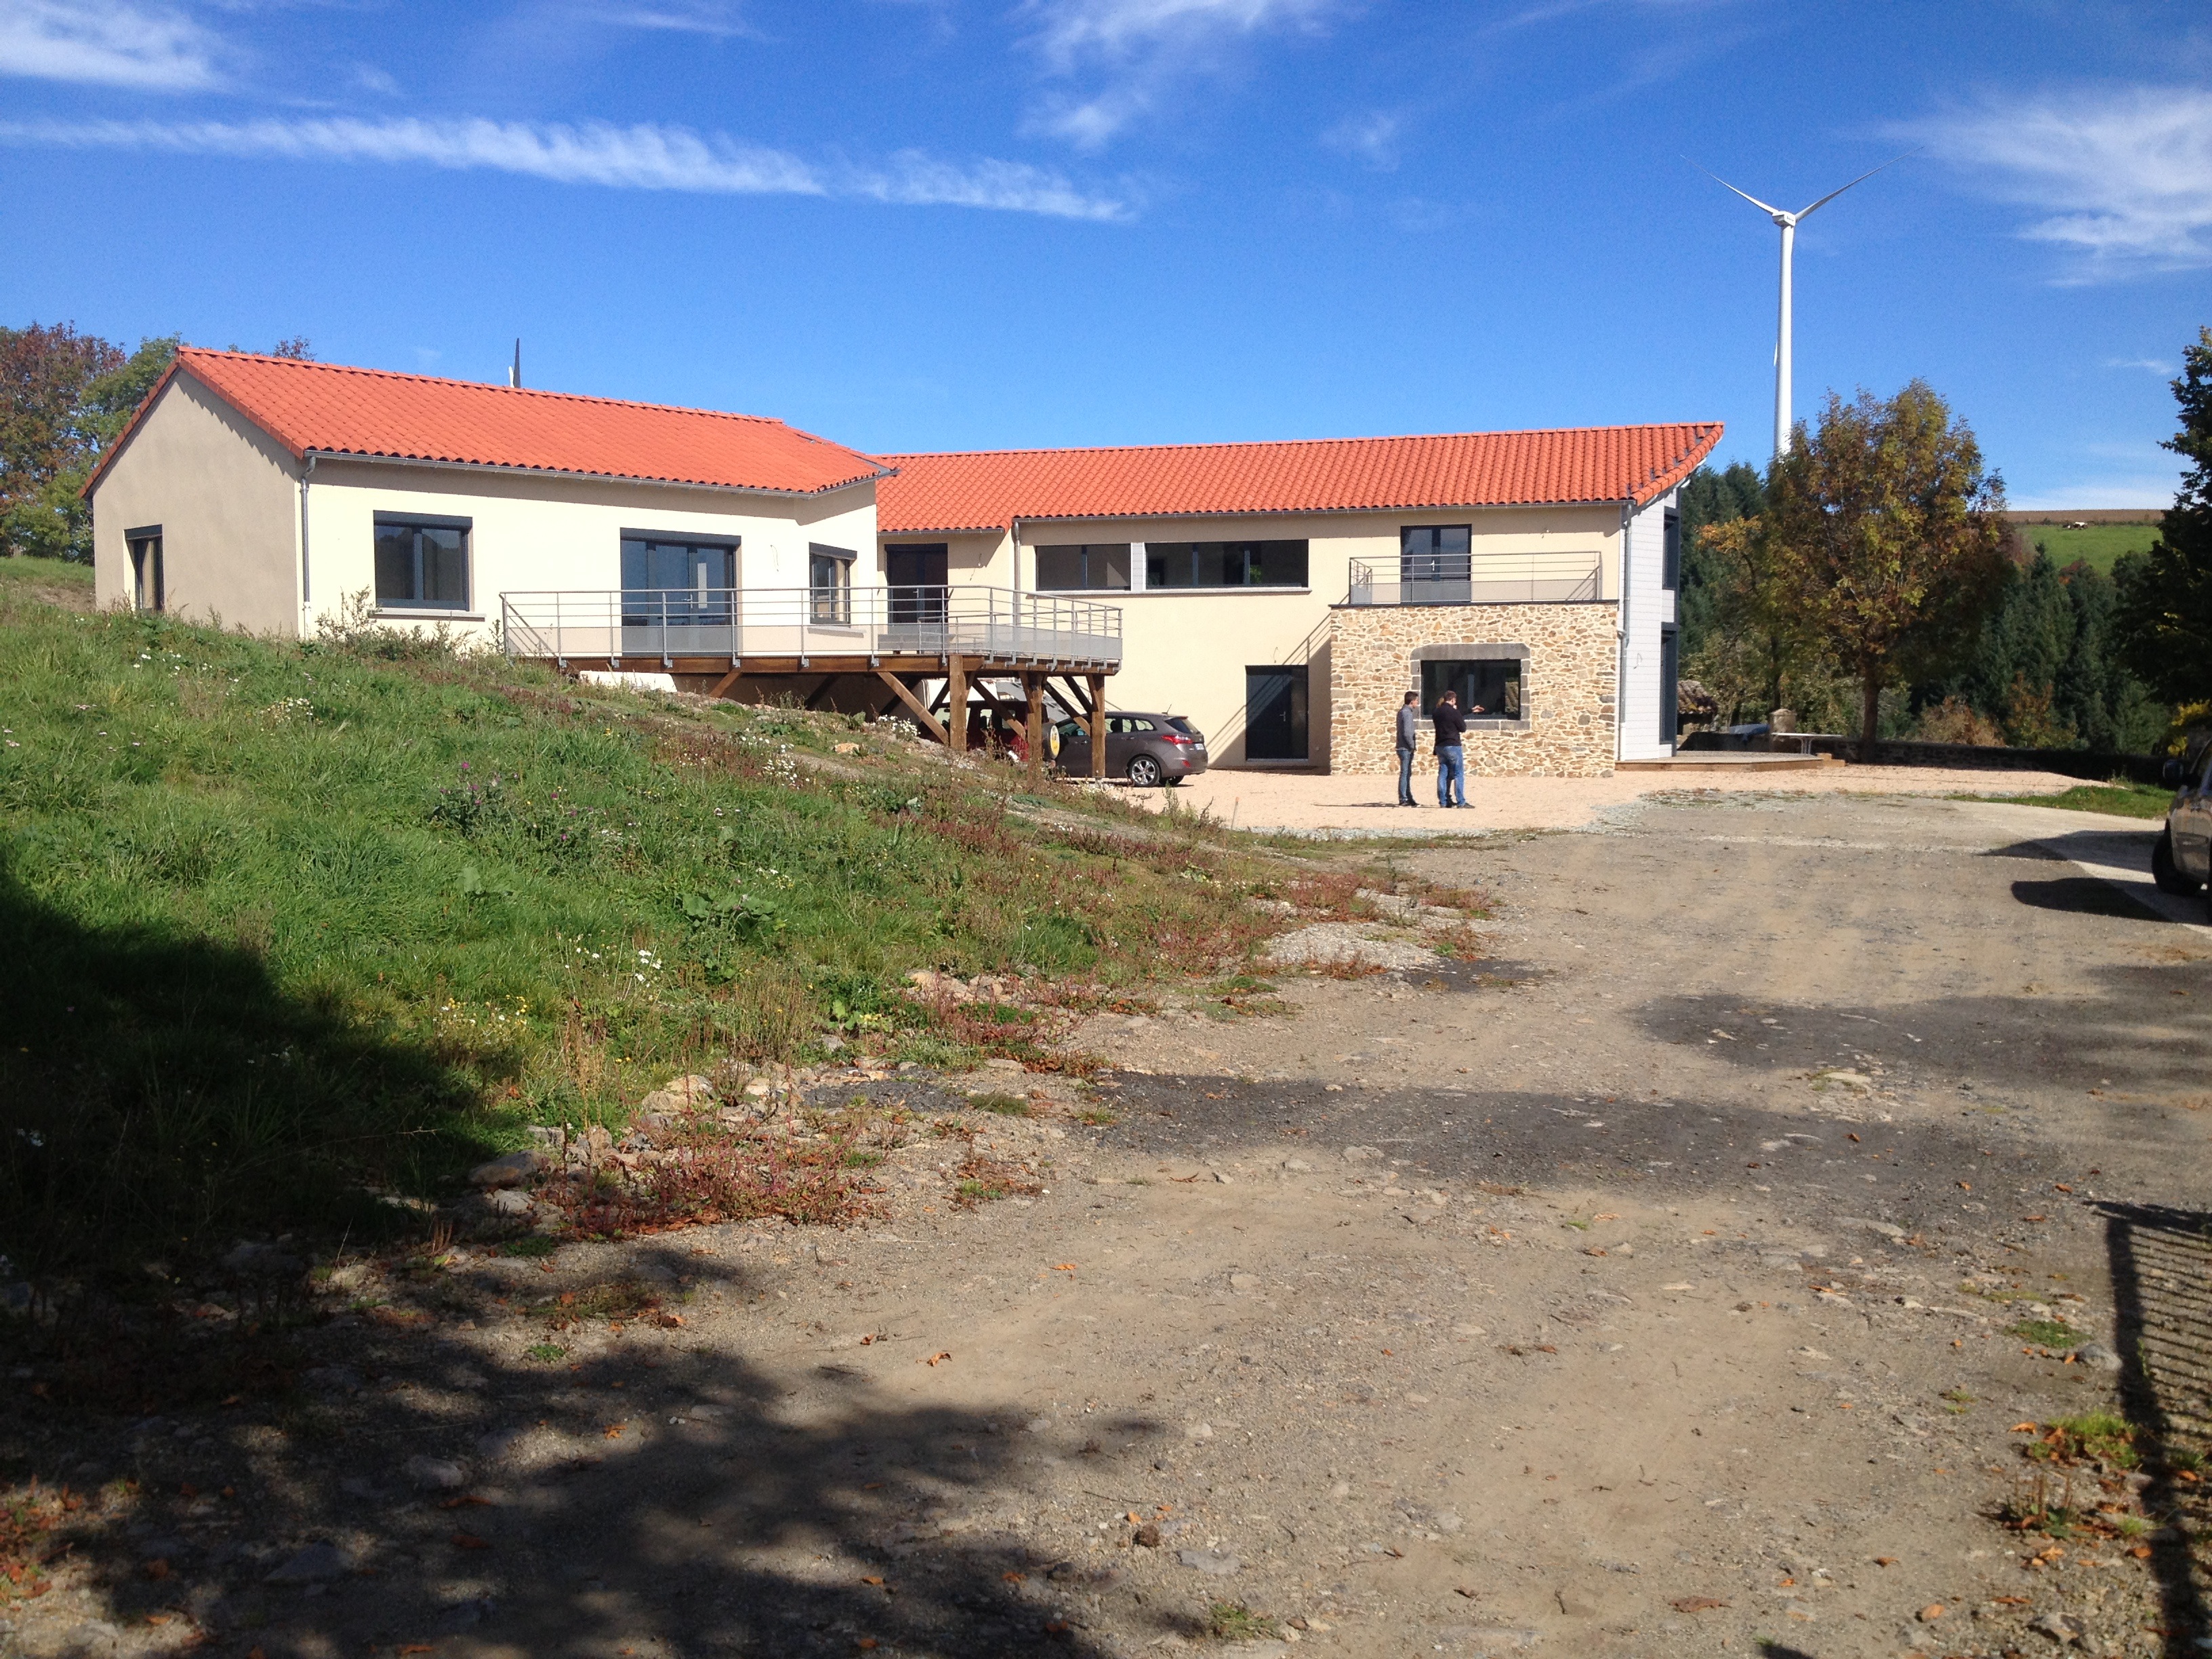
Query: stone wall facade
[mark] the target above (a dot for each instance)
(1569, 683)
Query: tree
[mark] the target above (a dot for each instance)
(1884, 538)
(1708, 498)
(69, 397)
(2166, 597)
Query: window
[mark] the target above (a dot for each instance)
(1275, 712)
(1670, 679)
(1434, 552)
(1225, 564)
(677, 578)
(147, 590)
(1670, 570)
(1128, 725)
(1092, 565)
(421, 564)
(830, 578)
(1492, 686)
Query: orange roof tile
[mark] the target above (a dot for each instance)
(986, 491)
(330, 409)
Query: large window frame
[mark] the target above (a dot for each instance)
(1177, 567)
(1496, 673)
(412, 552)
(829, 584)
(1094, 566)
(1432, 553)
(149, 588)
(703, 566)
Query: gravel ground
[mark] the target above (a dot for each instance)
(1653, 1286)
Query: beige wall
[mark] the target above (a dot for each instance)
(222, 491)
(530, 533)
(1185, 650)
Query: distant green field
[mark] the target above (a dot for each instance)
(2099, 544)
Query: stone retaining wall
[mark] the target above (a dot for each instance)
(1569, 684)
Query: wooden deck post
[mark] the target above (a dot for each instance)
(956, 704)
(1033, 685)
(1097, 682)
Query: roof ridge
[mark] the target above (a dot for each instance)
(486, 386)
(1271, 443)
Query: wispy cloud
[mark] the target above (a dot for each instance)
(2126, 175)
(645, 157)
(154, 49)
(2153, 364)
(1134, 50)
(709, 17)
(1372, 138)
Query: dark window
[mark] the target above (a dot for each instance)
(1434, 552)
(829, 579)
(147, 590)
(1073, 569)
(1670, 670)
(917, 572)
(421, 564)
(1225, 564)
(676, 579)
(1492, 686)
(1275, 713)
(1670, 576)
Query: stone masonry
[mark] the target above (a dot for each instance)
(1569, 684)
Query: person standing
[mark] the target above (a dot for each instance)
(1451, 750)
(1409, 727)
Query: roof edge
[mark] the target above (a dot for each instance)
(368, 459)
(1250, 443)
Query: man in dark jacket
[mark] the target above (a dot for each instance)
(1409, 727)
(1451, 750)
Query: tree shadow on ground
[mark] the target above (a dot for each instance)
(158, 1089)
(2161, 1266)
(650, 1496)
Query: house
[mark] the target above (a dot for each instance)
(1285, 596)
(267, 493)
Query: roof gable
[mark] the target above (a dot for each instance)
(986, 491)
(374, 414)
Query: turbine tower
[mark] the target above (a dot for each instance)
(1789, 222)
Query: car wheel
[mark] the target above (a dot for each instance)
(2164, 871)
(1145, 772)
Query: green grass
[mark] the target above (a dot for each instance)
(1232, 1621)
(289, 929)
(2120, 798)
(2046, 1332)
(2098, 545)
(52, 582)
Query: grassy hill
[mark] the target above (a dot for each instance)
(2097, 545)
(285, 927)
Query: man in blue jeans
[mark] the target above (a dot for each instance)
(1451, 750)
(1409, 725)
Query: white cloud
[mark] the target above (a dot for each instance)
(2126, 175)
(109, 44)
(1370, 138)
(2146, 489)
(644, 157)
(2151, 363)
(680, 16)
(1138, 47)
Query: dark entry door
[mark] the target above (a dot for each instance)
(1670, 678)
(916, 575)
(1275, 713)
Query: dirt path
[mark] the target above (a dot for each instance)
(1648, 1290)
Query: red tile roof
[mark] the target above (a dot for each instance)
(985, 490)
(332, 409)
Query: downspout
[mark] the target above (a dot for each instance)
(307, 590)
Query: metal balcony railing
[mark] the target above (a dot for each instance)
(655, 626)
(1476, 578)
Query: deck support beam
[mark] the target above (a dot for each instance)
(928, 721)
(1097, 683)
(956, 702)
(1033, 729)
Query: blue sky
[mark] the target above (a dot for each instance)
(925, 224)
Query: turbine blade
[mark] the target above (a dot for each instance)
(1724, 185)
(1862, 179)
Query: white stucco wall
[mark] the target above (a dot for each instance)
(1648, 612)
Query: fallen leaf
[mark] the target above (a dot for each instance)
(1013, 1577)
(613, 1430)
(871, 1578)
(866, 1340)
(159, 1617)
(2022, 1428)
(412, 1647)
(1063, 1267)
(1930, 1613)
(668, 1321)
(1786, 1583)
(935, 1357)
(2035, 1217)
(1853, 1137)
(2060, 1186)
(469, 1540)
(1966, 1186)
(1461, 1589)
(1884, 1560)
(466, 1501)
(2141, 1551)
(2011, 1601)
(866, 1642)
(1698, 1604)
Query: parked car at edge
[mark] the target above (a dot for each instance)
(2182, 860)
(1148, 750)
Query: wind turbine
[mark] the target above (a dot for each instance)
(1790, 221)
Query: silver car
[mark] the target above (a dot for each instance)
(1148, 750)
(2182, 860)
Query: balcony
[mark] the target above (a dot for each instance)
(1564, 578)
(783, 629)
